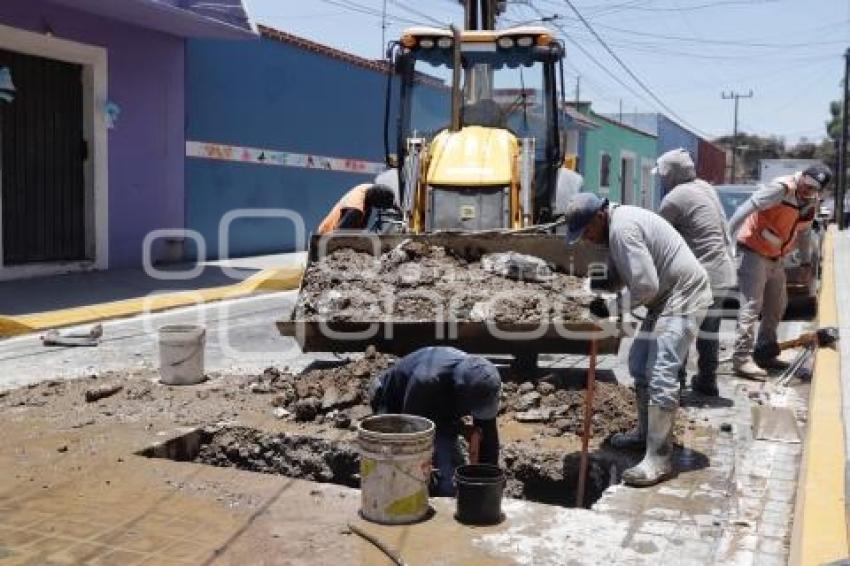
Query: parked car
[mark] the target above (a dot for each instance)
(802, 281)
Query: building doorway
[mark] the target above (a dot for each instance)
(42, 159)
(627, 179)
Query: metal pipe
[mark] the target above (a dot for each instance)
(471, 14)
(841, 186)
(588, 416)
(456, 71)
(526, 179)
(411, 175)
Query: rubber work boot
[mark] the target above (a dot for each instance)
(771, 363)
(635, 438)
(705, 385)
(747, 368)
(657, 463)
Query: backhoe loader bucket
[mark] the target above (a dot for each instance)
(485, 337)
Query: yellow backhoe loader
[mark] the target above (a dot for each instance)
(474, 116)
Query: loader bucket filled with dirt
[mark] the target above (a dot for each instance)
(491, 293)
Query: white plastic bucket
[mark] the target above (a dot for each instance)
(395, 467)
(181, 354)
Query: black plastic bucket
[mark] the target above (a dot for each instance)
(479, 494)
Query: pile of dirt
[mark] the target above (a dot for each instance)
(418, 282)
(337, 394)
(559, 409)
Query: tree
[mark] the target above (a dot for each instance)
(833, 127)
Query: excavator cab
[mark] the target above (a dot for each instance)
(474, 117)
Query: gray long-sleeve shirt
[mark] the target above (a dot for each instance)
(655, 263)
(694, 210)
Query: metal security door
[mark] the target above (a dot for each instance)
(42, 155)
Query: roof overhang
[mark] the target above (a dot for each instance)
(161, 15)
(580, 119)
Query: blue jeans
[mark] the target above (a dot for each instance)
(447, 457)
(658, 352)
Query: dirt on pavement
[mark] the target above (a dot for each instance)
(303, 425)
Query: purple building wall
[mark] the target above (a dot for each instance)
(147, 147)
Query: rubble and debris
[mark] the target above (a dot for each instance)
(517, 266)
(303, 457)
(534, 416)
(98, 393)
(88, 338)
(418, 282)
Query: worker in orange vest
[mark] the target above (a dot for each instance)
(354, 208)
(767, 226)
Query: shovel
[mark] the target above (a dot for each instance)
(775, 423)
(821, 338)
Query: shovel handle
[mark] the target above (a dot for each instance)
(802, 340)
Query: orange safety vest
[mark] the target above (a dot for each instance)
(772, 232)
(355, 198)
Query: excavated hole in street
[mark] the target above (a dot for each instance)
(534, 475)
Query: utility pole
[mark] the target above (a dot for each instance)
(621, 110)
(736, 96)
(578, 90)
(384, 31)
(841, 187)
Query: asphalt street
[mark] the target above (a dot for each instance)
(241, 339)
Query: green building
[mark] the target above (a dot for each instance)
(617, 161)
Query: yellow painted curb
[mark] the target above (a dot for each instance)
(820, 520)
(265, 281)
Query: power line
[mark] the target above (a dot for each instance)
(707, 5)
(626, 68)
(418, 13)
(593, 59)
(369, 11)
(718, 41)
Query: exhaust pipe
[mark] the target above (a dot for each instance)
(526, 179)
(456, 72)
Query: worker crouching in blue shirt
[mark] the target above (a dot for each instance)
(445, 385)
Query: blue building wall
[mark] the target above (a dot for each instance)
(274, 95)
(670, 136)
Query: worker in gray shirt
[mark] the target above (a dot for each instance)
(659, 272)
(693, 208)
(768, 225)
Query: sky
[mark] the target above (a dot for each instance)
(687, 53)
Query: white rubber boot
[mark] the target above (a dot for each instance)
(657, 463)
(635, 438)
(748, 369)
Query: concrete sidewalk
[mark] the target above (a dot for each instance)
(38, 304)
(820, 532)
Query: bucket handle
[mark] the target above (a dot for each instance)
(191, 355)
(386, 451)
(503, 482)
